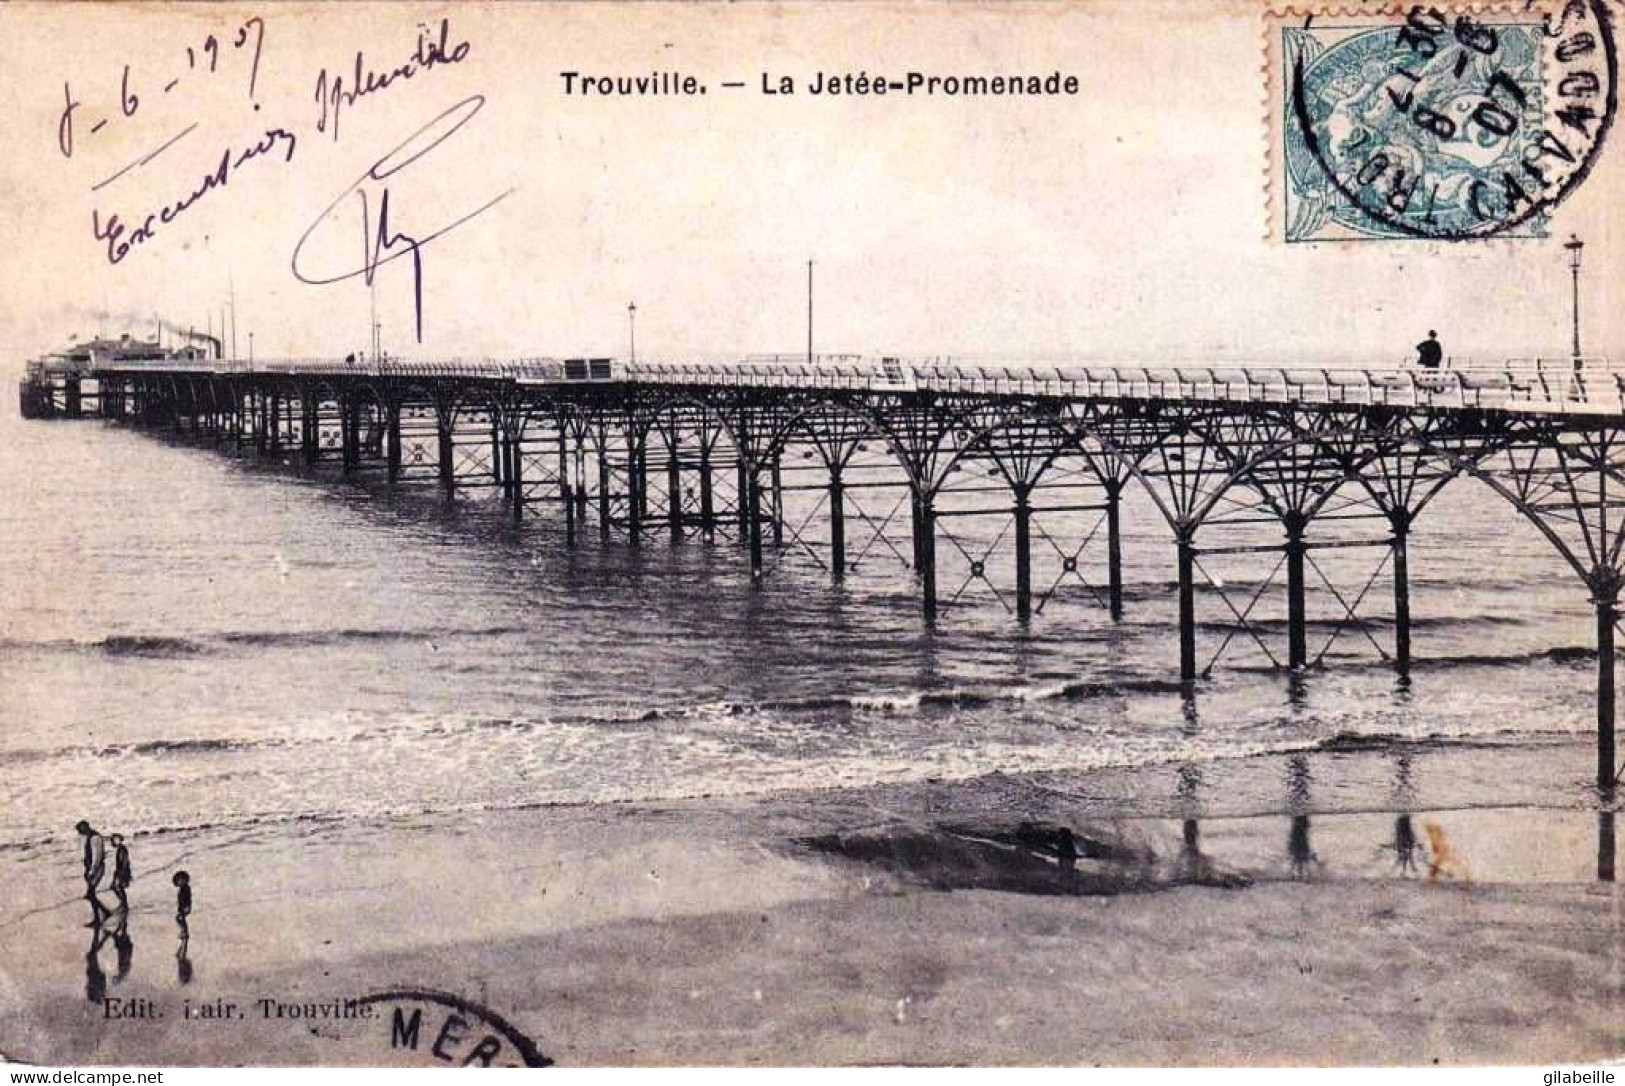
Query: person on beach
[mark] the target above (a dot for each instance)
(1429, 352)
(183, 897)
(183, 908)
(121, 871)
(95, 865)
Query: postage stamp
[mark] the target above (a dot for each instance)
(1434, 123)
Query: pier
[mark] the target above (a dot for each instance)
(834, 458)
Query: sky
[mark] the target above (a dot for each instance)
(1129, 222)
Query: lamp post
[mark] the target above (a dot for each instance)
(251, 348)
(632, 330)
(1574, 245)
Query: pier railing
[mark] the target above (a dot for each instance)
(1583, 385)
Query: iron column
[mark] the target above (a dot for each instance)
(837, 523)
(1024, 553)
(1606, 598)
(1114, 548)
(1187, 605)
(1400, 520)
(1296, 625)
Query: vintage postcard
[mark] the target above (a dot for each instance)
(1077, 533)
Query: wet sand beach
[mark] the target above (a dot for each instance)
(917, 924)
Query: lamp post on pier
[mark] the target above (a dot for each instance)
(632, 330)
(1574, 245)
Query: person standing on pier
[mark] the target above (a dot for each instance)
(1429, 352)
(95, 864)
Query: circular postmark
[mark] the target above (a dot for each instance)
(424, 1026)
(1458, 127)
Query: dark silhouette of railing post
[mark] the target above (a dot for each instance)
(837, 523)
(1297, 639)
(1114, 549)
(1400, 521)
(1023, 513)
(1185, 542)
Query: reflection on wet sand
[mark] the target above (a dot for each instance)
(1606, 846)
(1405, 845)
(123, 945)
(1299, 851)
(1034, 857)
(1029, 857)
(114, 928)
(95, 979)
(183, 960)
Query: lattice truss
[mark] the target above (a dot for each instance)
(1291, 518)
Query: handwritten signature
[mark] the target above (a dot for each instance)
(332, 95)
(382, 240)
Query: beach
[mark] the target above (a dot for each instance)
(643, 811)
(882, 925)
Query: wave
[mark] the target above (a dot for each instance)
(904, 702)
(159, 646)
(149, 646)
(1342, 742)
(1563, 654)
(888, 703)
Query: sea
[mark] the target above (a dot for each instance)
(191, 639)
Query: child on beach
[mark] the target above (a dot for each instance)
(121, 871)
(183, 897)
